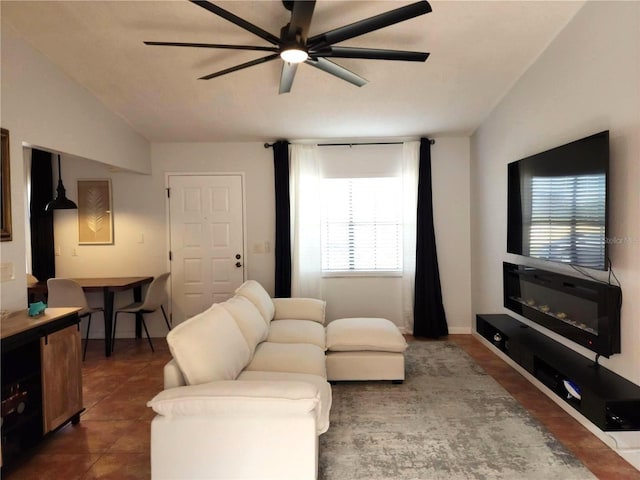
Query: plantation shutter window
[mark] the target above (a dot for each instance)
(362, 224)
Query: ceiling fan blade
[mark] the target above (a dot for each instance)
(241, 66)
(370, 24)
(214, 45)
(287, 76)
(371, 54)
(221, 12)
(336, 70)
(301, 19)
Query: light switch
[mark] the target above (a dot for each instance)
(6, 272)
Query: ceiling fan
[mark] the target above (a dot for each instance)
(295, 46)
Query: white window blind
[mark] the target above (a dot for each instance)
(568, 219)
(361, 224)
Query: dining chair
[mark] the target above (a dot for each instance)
(154, 298)
(64, 292)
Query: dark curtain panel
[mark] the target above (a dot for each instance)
(429, 319)
(43, 263)
(283, 219)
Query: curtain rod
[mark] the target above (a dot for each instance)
(431, 141)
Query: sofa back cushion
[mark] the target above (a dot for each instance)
(249, 319)
(209, 347)
(257, 295)
(299, 309)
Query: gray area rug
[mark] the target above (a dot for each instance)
(449, 420)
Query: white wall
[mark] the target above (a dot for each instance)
(585, 82)
(138, 224)
(141, 243)
(450, 166)
(42, 107)
(345, 296)
(256, 162)
(46, 108)
(139, 247)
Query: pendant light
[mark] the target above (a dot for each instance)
(61, 202)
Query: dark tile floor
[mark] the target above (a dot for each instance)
(112, 439)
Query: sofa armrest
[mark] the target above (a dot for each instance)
(299, 309)
(244, 430)
(173, 375)
(237, 398)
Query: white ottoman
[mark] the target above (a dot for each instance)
(365, 349)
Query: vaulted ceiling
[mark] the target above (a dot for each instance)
(478, 49)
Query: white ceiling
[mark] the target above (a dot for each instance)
(478, 51)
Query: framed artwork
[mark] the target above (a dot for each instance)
(5, 195)
(95, 217)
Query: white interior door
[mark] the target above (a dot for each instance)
(207, 241)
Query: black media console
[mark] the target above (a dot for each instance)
(609, 401)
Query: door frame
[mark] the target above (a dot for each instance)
(167, 217)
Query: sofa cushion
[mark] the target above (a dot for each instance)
(297, 331)
(248, 319)
(209, 347)
(358, 334)
(254, 292)
(237, 397)
(322, 385)
(299, 309)
(289, 357)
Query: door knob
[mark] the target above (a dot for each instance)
(238, 264)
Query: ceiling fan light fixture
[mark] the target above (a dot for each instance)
(294, 55)
(294, 45)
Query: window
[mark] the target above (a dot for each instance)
(361, 224)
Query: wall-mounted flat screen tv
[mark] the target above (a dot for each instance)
(557, 203)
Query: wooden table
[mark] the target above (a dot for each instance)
(108, 286)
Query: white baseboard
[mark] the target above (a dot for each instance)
(460, 330)
(627, 445)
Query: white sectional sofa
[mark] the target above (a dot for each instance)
(246, 394)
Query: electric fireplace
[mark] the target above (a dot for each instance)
(584, 311)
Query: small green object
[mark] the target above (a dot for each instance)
(37, 308)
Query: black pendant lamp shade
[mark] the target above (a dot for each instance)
(61, 202)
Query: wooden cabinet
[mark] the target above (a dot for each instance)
(61, 377)
(41, 377)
